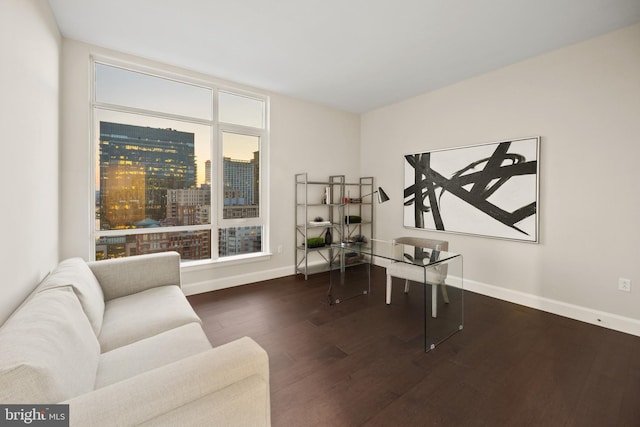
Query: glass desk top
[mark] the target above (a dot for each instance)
(409, 254)
(435, 281)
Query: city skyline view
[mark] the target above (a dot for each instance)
(147, 179)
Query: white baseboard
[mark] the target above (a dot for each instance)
(571, 311)
(241, 279)
(583, 314)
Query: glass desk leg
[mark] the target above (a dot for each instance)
(443, 301)
(349, 277)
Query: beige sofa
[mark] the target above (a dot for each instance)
(118, 341)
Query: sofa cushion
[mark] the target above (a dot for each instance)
(150, 353)
(125, 276)
(76, 272)
(49, 351)
(144, 314)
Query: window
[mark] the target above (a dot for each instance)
(177, 166)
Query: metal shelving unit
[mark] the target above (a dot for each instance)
(311, 202)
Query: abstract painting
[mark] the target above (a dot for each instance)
(487, 189)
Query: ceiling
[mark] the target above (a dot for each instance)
(355, 55)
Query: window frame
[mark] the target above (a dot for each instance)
(216, 131)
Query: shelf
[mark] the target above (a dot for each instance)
(319, 268)
(319, 248)
(325, 183)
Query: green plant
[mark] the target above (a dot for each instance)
(315, 242)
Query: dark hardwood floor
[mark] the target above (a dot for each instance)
(361, 362)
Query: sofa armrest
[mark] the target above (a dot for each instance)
(125, 276)
(206, 381)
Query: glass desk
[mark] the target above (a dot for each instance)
(442, 307)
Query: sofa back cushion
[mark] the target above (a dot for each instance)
(48, 350)
(76, 273)
(120, 277)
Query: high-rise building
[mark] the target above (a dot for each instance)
(239, 177)
(207, 172)
(186, 207)
(241, 188)
(191, 245)
(239, 240)
(164, 158)
(203, 214)
(123, 193)
(256, 177)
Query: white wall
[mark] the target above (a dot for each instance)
(29, 79)
(304, 138)
(584, 101)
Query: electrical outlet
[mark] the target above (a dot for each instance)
(279, 249)
(624, 284)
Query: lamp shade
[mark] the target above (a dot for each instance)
(382, 196)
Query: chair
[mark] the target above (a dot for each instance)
(434, 276)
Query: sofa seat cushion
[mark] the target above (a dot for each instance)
(49, 352)
(144, 314)
(150, 353)
(76, 272)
